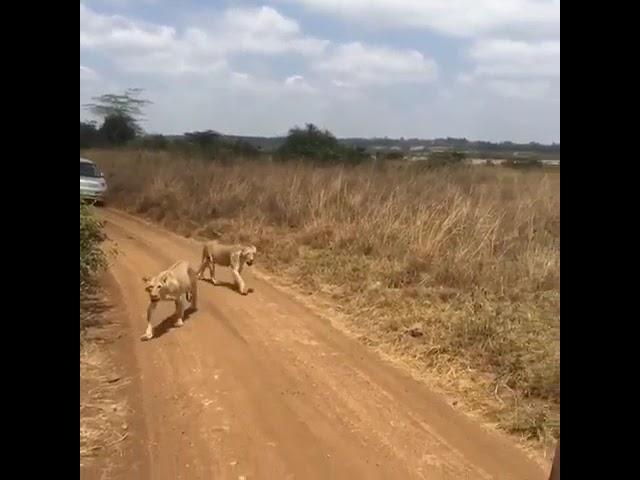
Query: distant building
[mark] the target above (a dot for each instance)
(383, 148)
(484, 161)
(476, 161)
(550, 163)
(417, 158)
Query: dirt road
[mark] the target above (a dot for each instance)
(258, 387)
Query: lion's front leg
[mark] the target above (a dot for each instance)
(239, 281)
(179, 312)
(148, 335)
(236, 268)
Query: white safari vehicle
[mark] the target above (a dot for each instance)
(93, 186)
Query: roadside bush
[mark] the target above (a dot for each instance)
(92, 258)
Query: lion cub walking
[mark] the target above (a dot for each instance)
(233, 256)
(172, 284)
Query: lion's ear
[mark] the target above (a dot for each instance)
(145, 279)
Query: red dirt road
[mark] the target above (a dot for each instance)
(258, 387)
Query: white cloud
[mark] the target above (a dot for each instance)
(464, 18)
(120, 33)
(245, 82)
(264, 20)
(355, 64)
(522, 89)
(294, 79)
(87, 74)
(256, 30)
(297, 83)
(122, 3)
(145, 47)
(464, 78)
(516, 69)
(240, 76)
(255, 71)
(504, 57)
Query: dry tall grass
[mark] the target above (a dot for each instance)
(454, 271)
(102, 408)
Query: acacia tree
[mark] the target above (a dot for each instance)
(121, 114)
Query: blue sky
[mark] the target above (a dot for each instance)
(480, 69)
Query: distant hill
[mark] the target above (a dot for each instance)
(459, 144)
(269, 144)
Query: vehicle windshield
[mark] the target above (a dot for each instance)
(89, 170)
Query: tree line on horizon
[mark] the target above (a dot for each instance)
(121, 115)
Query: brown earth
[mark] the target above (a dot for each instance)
(259, 386)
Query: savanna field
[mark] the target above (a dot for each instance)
(452, 272)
